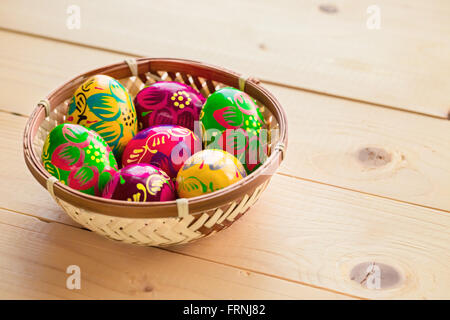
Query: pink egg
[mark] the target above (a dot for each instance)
(165, 146)
(168, 102)
(140, 183)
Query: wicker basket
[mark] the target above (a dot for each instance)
(159, 223)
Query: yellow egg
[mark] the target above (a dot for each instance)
(102, 104)
(207, 171)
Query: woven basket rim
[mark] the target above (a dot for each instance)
(120, 208)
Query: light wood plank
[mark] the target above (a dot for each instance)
(318, 234)
(415, 240)
(404, 64)
(32, 67)
(22, 192)
(352, 145)
(301, 231)
(34, 257)
(384, 152)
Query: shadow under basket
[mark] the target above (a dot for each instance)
(157, 223)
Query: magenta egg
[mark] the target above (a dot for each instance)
(140, 183)
(165, 146)
(168, 102)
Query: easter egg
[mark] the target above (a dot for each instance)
(140, 183)
(79, 158)
(102, 104)
(168, 102)
(207, 171)
(166, 147)
(231, 121)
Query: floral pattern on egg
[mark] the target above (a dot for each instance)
(79, 158)
(103, 104)
(232, 121)
(140, 183)
(208, 171)
(165, 146)
(170, 103)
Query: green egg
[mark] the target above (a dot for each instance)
(232, 121)
(79, 158)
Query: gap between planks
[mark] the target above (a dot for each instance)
(270, 275)
(300, 43)
(363, 192)
(415, 169)
(313, 204)
(266, 81)
(294, 177)
(350, 189)
(246, 270)
(369, 103)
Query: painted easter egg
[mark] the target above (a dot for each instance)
(207, 171)
(232, 121)
(165, 146)
(79, 158)
(102, 104)
(168, 102)
(140, 183)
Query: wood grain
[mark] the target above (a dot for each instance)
(351, 145)
(35, 256)
(383, 152)
(404, 64)
(32, 67)
(22, 192)
(300, 231)
(302, 237)
(318, 234)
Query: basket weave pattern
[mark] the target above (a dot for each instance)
(157, 230)
(163, 231)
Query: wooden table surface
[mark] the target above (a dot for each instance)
(366, 180)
